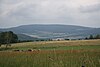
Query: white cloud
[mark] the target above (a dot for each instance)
(79, 12)
(91, 8)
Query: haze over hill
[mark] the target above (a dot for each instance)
(52, 31)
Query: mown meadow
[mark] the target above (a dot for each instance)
(52, 54)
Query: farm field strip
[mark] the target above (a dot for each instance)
(50, 58)
(52, 54)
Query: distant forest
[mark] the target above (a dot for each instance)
(9, 37)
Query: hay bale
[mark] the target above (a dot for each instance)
(30, 50)
(16, 50)
(83, 66)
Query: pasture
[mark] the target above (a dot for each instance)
(52, 54)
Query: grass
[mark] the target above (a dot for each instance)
(53, 54)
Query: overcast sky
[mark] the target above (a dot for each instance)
(69, 12)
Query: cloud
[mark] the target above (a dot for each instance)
(75, 12)
(90, 8)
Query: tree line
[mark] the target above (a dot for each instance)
(7, 38)
(93, 37)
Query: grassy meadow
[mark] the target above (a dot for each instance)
(76, 53)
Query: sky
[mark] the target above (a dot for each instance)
(69, 12)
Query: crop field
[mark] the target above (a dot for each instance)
(76, 53)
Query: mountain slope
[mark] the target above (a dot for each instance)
(23, 37)
(54, 31)
(48, 28)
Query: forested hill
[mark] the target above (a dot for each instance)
(53, 31)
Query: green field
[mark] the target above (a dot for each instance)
(52, 54)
